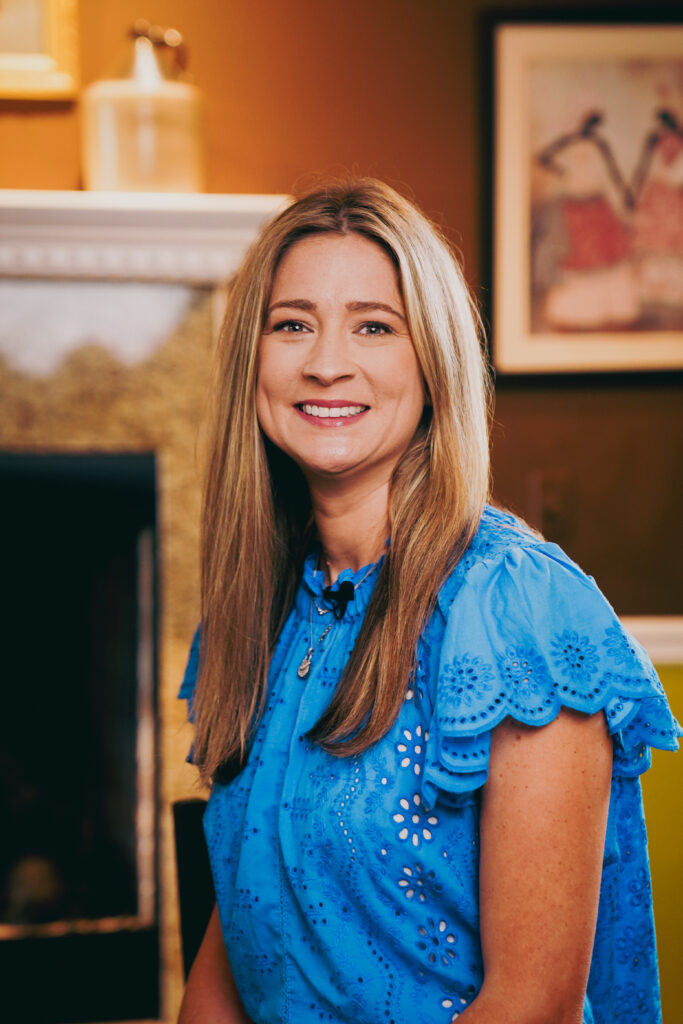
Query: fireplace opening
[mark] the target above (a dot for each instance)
(78, 903)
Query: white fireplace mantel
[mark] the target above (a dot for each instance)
(186, 238)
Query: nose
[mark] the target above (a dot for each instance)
(328, 360)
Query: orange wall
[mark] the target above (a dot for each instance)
(388, 87)
(294, 87)
(306, 86)
(393, 88)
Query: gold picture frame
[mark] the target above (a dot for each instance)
(587, 248)
(38, 49)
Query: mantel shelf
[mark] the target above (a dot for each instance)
(190, 238)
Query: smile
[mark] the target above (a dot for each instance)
(332, 412)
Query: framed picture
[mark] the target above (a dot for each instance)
(588, 197)
(38, 49)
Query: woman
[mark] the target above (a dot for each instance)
(423, 725)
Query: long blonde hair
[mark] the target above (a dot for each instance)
(257, 525)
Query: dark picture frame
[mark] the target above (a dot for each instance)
(587, 225)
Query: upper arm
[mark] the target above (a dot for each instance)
(211, 993)
(543, 822)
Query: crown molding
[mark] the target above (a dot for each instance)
(191, 238)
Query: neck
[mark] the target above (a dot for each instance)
(352, 528)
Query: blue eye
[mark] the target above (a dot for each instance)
(375, 329)
(291, 326)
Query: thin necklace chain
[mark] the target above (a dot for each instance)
(305, 667)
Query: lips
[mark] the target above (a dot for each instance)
(331, 411)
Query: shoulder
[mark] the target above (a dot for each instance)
(524, 632)
(499, 536)
(522, 605)
(506, 559)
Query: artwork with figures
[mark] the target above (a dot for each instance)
(607, 195)
(588, 235)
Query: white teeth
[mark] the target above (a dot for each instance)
(324, 411)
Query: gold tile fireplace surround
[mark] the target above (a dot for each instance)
(109, 304)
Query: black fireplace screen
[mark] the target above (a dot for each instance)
(77, 736)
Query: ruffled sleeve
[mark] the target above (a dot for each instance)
(526, 634)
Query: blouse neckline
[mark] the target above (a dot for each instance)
(313, 579)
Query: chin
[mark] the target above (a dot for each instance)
(328, 469)
(328, 463)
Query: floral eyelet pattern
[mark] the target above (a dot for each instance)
(619, 645)
(527, 679)
(633, 1004)
(449, 1003)
(465, 680)
(640, 888)
(416, 825)
(419, 884)
(636, 946)
(376, 857)
(410, 748)
(575, 656)
(437, 942)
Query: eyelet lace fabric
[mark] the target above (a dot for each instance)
(526, 634)
(348, 887)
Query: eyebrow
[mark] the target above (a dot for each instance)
(303, 304)
(353, 307)
(367, 307)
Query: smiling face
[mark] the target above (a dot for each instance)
(339, 386)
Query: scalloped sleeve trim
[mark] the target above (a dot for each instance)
(526, 635)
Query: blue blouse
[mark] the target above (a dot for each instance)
(347, 888)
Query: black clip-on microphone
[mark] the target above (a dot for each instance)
(339, 598)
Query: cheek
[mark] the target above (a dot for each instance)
(264, 393)
(268, 376)
(273, 390)
(266, 413)
(413, 383)
(277, 367)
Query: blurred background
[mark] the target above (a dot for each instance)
(399, 89)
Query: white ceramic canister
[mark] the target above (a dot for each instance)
(142, 128)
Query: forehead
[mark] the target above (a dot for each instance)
(338, 262)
